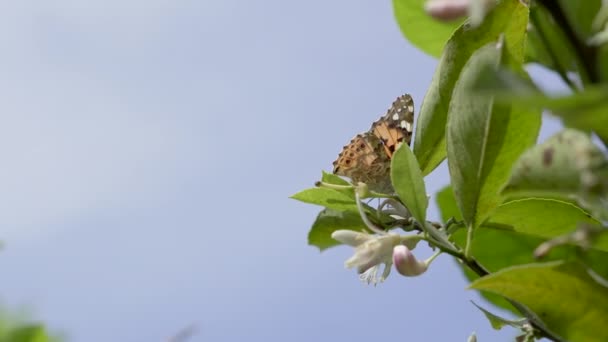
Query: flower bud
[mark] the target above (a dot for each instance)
(446, 10)
(406, 263)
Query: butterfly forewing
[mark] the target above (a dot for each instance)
(396, 125)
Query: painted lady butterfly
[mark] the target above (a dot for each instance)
(367, 158)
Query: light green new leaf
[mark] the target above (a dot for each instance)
(329, 221)
(408, 182)
(423, 31)
(333, 179)
(484, 140)
(509, 18)
(569, 301)
(329, 198)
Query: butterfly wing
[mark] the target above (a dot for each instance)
(367, 158)
(395, 127)
(364, 160)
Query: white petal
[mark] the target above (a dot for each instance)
(350, 237)
(375, 251)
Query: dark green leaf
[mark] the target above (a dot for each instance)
(548, 44)
(603, 67)
(484, 140)
(448, 209)
(543, 218)
(499, 245)
(507, 86)
(585, 110)
(580, 15)
(564, 296)
(447, 204)
(509, 18)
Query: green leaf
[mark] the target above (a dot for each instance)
(536, 49)
(484, 140)
(547, 43)
(510, 248)
(329, 198)
(563, 295)
(29, 333)
(496, 249)
(601, 18)
(424, 32)
(447, 204)
(543, 218)
(498, 322)
(329, 221)
(585, 110)
(333, 179)
(503, 240)
(408, 182)
(510, 18)
(507, 86)
(562, 166)
(603, 67)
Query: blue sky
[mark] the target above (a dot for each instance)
(148, 151)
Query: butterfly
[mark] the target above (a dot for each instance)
(367, 157)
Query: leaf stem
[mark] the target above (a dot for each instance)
(467, 247)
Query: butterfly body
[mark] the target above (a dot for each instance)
(367, 157)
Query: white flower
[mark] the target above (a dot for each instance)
(371, 251)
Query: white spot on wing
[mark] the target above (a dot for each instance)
(395, 116)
